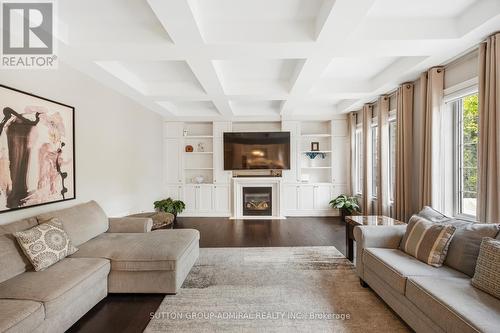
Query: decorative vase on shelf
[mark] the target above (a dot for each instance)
(201, 147)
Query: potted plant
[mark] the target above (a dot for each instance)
(347, 205)
(170, 206)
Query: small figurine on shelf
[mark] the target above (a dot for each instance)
(201, 147)
(185, 132)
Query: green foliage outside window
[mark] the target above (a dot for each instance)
(470, 140)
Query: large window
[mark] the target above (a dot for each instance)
(374, 153)
(359, 159)
(392, 155)
(466, 138)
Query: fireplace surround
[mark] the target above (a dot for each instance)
(257, 198)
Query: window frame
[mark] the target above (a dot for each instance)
(392, 173)
(359, 163)
(374, 156)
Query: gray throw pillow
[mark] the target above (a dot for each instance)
(465, 244)
(487, 275)
(433, 215)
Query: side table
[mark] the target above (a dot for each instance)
(352, 221)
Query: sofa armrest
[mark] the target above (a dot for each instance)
(130, 224)
(376, 236)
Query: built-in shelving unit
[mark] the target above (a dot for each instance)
(315, 170)
(198, 164)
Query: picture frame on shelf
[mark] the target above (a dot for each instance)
(314, 146)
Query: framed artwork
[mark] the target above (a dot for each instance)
(314, 146)
(37, 150)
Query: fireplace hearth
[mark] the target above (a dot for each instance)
(257, 201)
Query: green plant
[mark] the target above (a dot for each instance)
(345, 203)
(170, 206)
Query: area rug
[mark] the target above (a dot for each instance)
(273, 289)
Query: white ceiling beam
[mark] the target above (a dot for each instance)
(407, 29)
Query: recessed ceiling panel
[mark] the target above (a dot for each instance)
(258, 20)
(255, 108)
(255, 76)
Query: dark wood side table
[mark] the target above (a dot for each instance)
(352, 221)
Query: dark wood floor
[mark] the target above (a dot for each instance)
(131, 312)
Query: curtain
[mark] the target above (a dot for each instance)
(367, 159)
(383, 157)
(404, 137)
(431, 98)
(488, 209)
(352, 119)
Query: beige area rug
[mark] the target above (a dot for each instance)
(273, 289)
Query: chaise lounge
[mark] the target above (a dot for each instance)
(116, 255)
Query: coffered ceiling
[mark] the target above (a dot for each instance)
(265, 59)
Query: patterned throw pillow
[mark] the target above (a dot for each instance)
(45, 244)
(427, 241)
(487, 274)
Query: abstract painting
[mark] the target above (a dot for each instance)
(37, 156)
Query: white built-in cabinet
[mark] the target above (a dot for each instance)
(307, 187)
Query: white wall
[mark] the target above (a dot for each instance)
(118, 142)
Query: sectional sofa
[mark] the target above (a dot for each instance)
(116, 255)
(428, 299)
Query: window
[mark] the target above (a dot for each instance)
(466, 115)
(359, 159)
(392, 155)
(374, 153)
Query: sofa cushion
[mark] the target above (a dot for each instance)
(454, 304)
(427, 241)
(45, 244)
(82, 222)
(12, 259)
(464, 246)
(20, 315)
(152, 251)
(394, 267)
(58, 285)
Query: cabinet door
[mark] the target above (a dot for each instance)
(190, 194)
(204, 198)
(221, 198)
(291, 197)
(220, 176)
(322, 196)
(174, 192)
(306, 197)
(173, 161)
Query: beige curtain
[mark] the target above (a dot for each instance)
(431, 98)
(383, 157)
(404, 137)
(488, 209)
(352, 137)
(367, 159)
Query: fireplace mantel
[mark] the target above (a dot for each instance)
(240, 182)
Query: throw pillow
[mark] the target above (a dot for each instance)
(487, 275)
(433, 215)
(464, 246)
(45, 244)
(427, 241)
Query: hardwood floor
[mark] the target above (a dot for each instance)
(131, 312)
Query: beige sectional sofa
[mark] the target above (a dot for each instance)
(115, 256)
(428, 299)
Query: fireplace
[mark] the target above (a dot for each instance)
(257, 201)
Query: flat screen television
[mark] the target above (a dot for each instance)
(256, 150)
